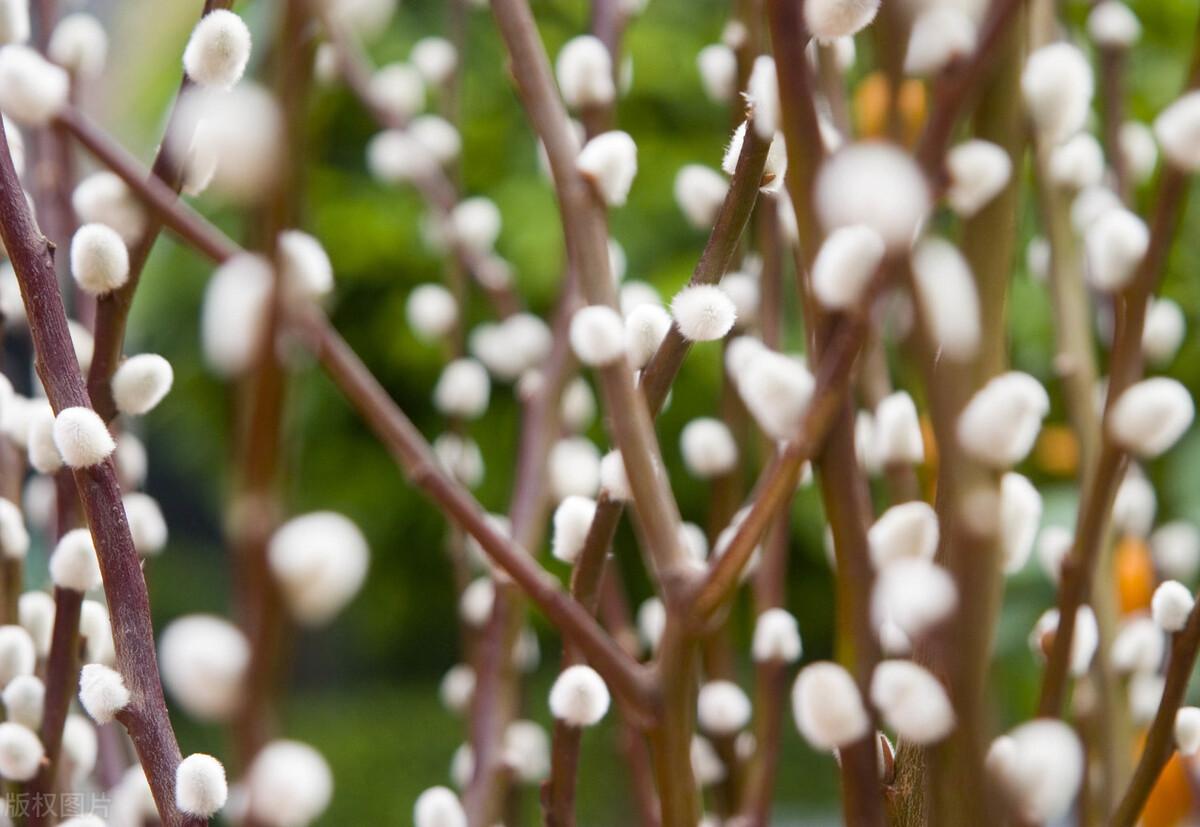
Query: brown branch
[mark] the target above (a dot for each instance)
(1160, 739)
(146, 717)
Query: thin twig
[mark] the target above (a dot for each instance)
(146, 717)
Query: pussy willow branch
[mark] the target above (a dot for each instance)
(398, 433)
(1160, 739)
(146, 717)
(112, 309)
(434, 186)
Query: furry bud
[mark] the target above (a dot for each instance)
(320, 562)
(941, 35)
(289, 783)
(1151, 416)
(597, 335)
(435, 58)
(897, 438)
(718, 72)
(82, 437)
(79, 44)
(703, 312)
(1020, 513)
(613, 479)
(1164, 330)
(700, 192)
(438, 807)
(218, 50)
(233, 317)
(874, 184)
(1000, 423)
(829, 19)
(722, 708)
(949, 300)
(708, 448)
(1138, 646)
(572, 521)
(527, 751)
(432, 311)
(102, 692)
(1178, 131)
(21, 752)
(24, 701)
(979, 171)
(1112, 25)
(645, 328)
(476, 223)
(304, 264)
(43, 453)
(1084, 640)
(1116, 244)
(74, 565)
(200, 786)
(1057, 86)
(398, 89)
(203, 660)
(777, 390)
(1052, 549)
(609, 162)
(776, 637)
(1171, 605)
(463, 389)
(579, 696)
(762, 89)
(147, 525)
(1176, 550)
(845, 265)
(828, 707)
(912, 701)
(651, 621)
(1187, 730)
(574, 467)
(141, 382)
(1134, 506)
(1078, 163)
(585, 73)
(32, 89)
(914, 594)
(103, 198)
(905, 531)
(1040, 765)
(99, 259)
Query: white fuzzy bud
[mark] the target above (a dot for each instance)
(914, 594)
(1145, 696)
(24, 701)
(718, 72)
(80, 747)
(14, 21)
(231, 138)
(1084, 639)
(103, 198)
(1078, 163)
(874, 184)
(432, 311)
(579, 697)
(463, 389)
(14, 538)
(829, 19)
(597, 335)
(762, 89)
(1134, 505)
(526, 751)
(457, 688)
(438, 807)
(651, 621)
(397, 156)
(645, 328)
(304, 265)
(1000, 423)
(905, 531)
(634, 294)
(1116, 243)
(773, 170)
(399, 89)
(147, 525)
(82, 437)
(845, 265)
(200, 785)
(1151, 416)
(1176, 550)
(95, 628)
(476, 223)
(320, 561)
(572, 520)
(574, 468)
(1057, 86)
(366, 18)
(703, 312)
(1040, 765)
(578, 407)
(708, 447)
(1020, 514)
(700, 192)
(948, 297)
(776, 637)
(896, 437)
(141, 382)
(438, 136)
(17, 653)
(1139, 148)
(912, 701)
(613, 479)
(203, 660)
(1171, 605)
(435, 58)
(585, 73)
(1177, 129)
(940, 35)
(707, 766)
(828, 707)
(218, 50)
(1164, 330)
(79, 44)
(74, 564)
(777, 390)
(1187, 730)
(21, 752)
(722, 708)
(234, 314)
(99, 259)
(289, 783)
(1112, 25)
(102, 692)
(43, 453)
(744, 291)
(609, 161)
(32, 89)
(476, 601)
(36, 613)
(1138, 646)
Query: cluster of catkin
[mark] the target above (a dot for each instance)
(890, 211)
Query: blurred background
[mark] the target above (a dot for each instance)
(364, 690)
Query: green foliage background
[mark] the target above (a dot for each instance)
(364, 689)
